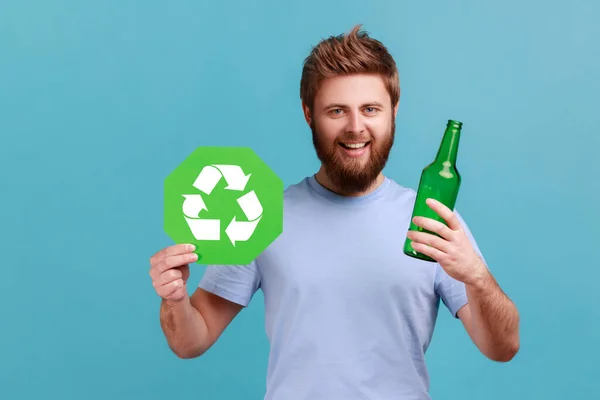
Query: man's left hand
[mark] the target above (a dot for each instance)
(453, 249)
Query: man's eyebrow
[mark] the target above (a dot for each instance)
(340, 105)
(335, 105)
(373, 103)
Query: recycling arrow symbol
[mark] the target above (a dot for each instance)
(210, 229)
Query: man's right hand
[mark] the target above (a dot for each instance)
(170, 270)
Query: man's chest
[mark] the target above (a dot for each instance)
(345, 255)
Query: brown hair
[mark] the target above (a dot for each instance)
(344, 54)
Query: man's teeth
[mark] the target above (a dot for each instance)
(355, 145)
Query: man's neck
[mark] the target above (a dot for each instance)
(323, 179)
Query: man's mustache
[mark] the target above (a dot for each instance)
(353, 138)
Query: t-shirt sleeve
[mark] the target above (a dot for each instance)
(451, 291)
(237, 283)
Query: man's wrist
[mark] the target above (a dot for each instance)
(176, 303)
(481, 278)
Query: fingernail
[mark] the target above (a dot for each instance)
(191, 247)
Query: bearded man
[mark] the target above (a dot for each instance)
(348, 315)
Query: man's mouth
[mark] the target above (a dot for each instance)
(354, 145)
(355, 149)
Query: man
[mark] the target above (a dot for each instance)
(348, 315)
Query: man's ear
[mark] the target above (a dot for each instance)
(307, 114)
(396, 109)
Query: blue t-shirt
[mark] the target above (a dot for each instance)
(348, 315)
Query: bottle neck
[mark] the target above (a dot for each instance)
(449, 146)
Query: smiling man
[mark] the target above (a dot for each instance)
(348, 315)
(353, 123)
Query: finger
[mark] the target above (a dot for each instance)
(428, 250)
(160, 277)
(447, 214)
(168, 289)
(176, 261)
(169, 276)
(176, 249)
(178, 294)
(429, 239)
(434, 226)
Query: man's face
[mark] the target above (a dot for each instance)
(353, 126)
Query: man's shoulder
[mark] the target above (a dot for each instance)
(298, 190)
(398, 190)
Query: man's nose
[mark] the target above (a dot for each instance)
(355, 123)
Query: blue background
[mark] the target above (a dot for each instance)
(100, 100)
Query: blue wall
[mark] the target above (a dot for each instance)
(99, 101)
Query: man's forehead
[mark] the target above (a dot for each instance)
(352, 91)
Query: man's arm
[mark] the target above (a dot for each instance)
(491, 319)
(192, 325)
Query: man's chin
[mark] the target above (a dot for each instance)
(351, 177)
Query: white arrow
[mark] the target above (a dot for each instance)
(234, 175)
(205, 229)
(250, 205)
(193, 204)
(238, 231)
(207, 179)
(202, 229)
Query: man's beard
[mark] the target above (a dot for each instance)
(351, 175)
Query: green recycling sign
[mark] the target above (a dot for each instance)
(227, 202)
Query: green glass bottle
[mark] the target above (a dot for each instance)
(439, 180)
